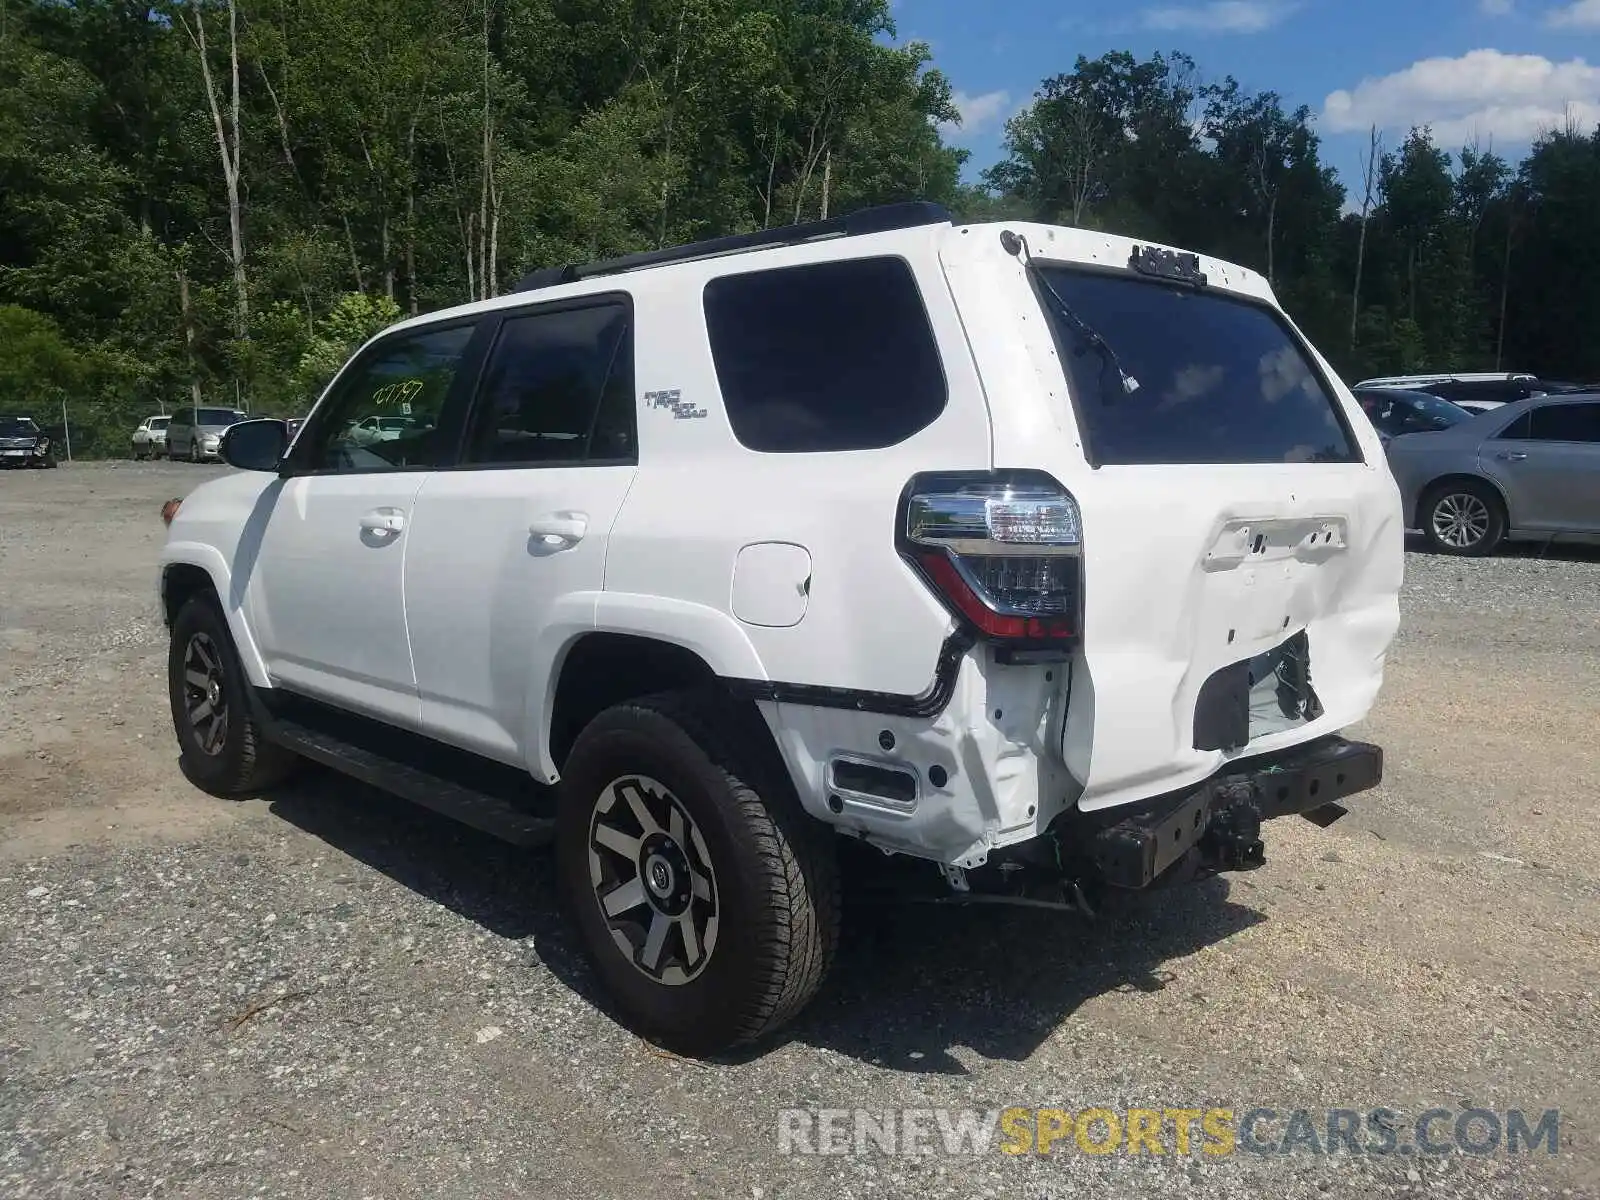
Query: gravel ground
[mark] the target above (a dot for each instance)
(328, 993)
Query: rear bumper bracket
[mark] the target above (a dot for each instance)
(1217, 826)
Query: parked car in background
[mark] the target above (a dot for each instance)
(193, 433)
(1528, 469)
(150, 438)
(24, 444)
(1394, 411)
(1481, 391)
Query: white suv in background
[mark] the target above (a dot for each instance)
(1051, 559)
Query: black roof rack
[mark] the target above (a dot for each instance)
(867, 220)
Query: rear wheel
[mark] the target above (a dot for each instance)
(705, 898)
(1463, 517)
(221, 746)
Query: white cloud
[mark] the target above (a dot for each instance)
(1496, 8)
(1581, 14)
(1220, 16)
(977, 112)
(1481, 95)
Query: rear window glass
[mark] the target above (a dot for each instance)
(1220, 380)
(829, 356)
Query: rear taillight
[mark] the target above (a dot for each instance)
(1002, 549)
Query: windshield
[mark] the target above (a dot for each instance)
(218, 416)
(1219, 379)
(159, 422)
(17, 427)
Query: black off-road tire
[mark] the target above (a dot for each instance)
(775, 871)
(245, 761)
(1475, 524)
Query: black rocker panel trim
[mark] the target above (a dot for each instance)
(928, 703)
(489, 796)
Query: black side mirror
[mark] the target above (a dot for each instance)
(254, 445)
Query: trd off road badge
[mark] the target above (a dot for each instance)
(682, 410)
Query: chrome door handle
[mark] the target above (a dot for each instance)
(562, 528)
(383, 520)
(1512, 455)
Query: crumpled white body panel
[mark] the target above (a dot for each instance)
(1186, 569)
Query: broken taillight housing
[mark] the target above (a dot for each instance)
(1002, 549)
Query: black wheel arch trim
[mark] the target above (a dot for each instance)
(928, 703)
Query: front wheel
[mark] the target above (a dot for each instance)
(1463, 517)
(221, 745)
(705, 898)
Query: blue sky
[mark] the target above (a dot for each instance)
(1494, 71)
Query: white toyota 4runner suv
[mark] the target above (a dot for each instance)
(1050, 558)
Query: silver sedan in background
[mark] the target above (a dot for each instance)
(1530, 469)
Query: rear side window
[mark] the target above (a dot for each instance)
(558, 389)
(1566, 423)
(825, 357)
(1220, 380)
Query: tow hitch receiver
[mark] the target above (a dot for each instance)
(1217, 827)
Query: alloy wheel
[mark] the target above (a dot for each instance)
(1460, 520)
(205, 702)
(651, 875)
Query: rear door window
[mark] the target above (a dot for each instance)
(558, 390)
(825, 357)
(1566, 423)
(1220, 379)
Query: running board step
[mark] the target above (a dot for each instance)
(491, 814)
